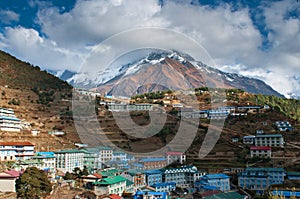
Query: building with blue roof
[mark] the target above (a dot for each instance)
(272, 140)
(150, 194)
(164, 187)
(259, 179)
(153, 177)
(284, 126)
(216, 181)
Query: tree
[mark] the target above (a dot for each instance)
(33, 184)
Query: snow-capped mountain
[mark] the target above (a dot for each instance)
(164, 70)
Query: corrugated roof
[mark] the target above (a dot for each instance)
(268, 135)
(10, 118)
(264, 169)
(16, 144)
(152, 159)
(216, 176)
(110, 180)
(263, 148)
(228, 195)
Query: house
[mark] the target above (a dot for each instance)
(119, 156)
(249, 139)
(259, 132)
(47, 159)
(7, 112)
(110, 185)
(260, 151)
(219, 181)
(149, 194)
(283, 126)
(11, 124)
(130, 107)
(184, 176)
(11, 151)
(164, 187)
(105, 154)
(67, 160)
(218, 114)
(129, 186)
(286, 193)
(293, 175)
(138, 177)
(153, 163)
(273, 140)
(235, 139)
(177, 157)
(8, 181)
(153, 177)
(259, 179)
(90, 160)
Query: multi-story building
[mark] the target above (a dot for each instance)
(260, 151)
(259, 179)
(47, 159)
(283, 126)
(177, 157)
(90, 160)
(153, 163)
(273, 140)
(7, 112)
(249, 139)
(67, 160)
(11, 151)
(119, 156)
(138, 177)
(110, 185)
(219, 181)
(153, 177)
(183, 176)
(130, 107)
(218, 114)
(105, 154)
(8, 120)
(164, 187)
(11, 124)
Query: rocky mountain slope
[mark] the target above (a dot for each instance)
(164, 70)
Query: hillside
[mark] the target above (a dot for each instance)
(39, 99)
(227, 153)
(18, 74)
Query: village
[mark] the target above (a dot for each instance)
(104, 172)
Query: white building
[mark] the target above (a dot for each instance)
(8, 121)
(110, 185)
(11, 151)
(178, 157)
(273, 140)
(47, 159)
(67, 160)
(105, 154)
(130, 107)
(11, 124)
(119, 156)
(260, 151)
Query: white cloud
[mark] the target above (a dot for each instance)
(28, 45)
(8, 16)
(229, 36)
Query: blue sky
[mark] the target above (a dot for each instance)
(256, 38)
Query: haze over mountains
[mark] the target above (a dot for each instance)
(161, 70)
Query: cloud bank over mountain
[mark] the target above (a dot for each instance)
(260, 41)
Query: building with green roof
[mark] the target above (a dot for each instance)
(110, 185)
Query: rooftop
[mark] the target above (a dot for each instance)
(152, 159)
(263, 148)
(265, 169)
(110, 180)
(215, 176)
(16, 144)
(268, 135)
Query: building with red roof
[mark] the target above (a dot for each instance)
(11, 151)
(260, 151)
